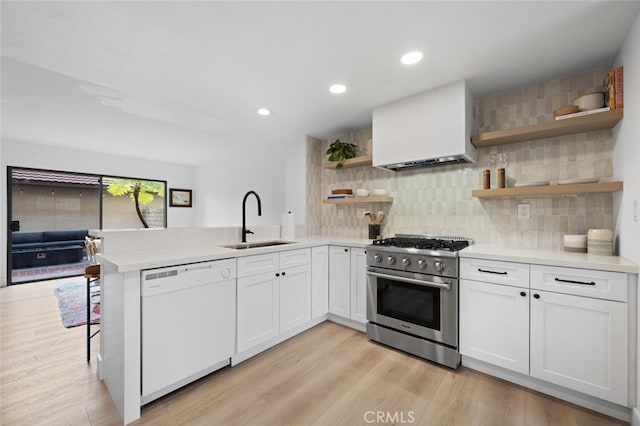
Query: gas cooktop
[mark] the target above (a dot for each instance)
(422, 243)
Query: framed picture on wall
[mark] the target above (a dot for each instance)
(180, 197)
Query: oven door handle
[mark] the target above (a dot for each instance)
(445, 286)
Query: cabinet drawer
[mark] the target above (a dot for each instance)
(496, 272)
(295, 258)
(253, 265)
(580, 282)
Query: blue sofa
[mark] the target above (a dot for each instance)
(47, 248)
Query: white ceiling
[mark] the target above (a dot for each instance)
(178, 81)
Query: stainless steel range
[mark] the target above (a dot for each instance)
(412, 295)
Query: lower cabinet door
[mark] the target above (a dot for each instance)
(258, 309)
(358, 285)
(580, 343)
(339, 281)
(319, 281)
(295, 297)
(494, 324)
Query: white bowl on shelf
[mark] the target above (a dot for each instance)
(589, 101)
(378, 192)
(361, 192)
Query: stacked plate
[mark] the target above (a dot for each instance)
(535, 183)
(600, 241)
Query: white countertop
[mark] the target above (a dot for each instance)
(551, 258)
(132, 260)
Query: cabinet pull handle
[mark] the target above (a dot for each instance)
(575, 282)
(536, 296)
(523, 294)
(284, 273)
(277, 274)
(492, 272)
(346, 250)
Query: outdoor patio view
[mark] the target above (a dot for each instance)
(51, 213)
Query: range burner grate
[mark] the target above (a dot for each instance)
(422, 243)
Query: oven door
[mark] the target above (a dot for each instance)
(418, 304)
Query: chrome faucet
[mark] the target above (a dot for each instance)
(245, 231)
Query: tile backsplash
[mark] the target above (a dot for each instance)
(438, 200)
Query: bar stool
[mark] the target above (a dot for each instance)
(92, 274)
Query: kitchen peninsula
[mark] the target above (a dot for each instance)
(125, 255)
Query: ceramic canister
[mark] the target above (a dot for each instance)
(600, 241)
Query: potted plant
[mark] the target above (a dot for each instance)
(340, 151)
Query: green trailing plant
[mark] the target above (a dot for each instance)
(340, 151)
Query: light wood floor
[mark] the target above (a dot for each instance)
(330, 375)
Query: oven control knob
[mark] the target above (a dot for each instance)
(422, 264)
(406, 262)
(438, 265)
(391, 260)
(377, 258)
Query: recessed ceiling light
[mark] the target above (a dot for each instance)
(411, 58)
(264, 111)
(338, 88)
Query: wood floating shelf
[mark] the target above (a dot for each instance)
(358, 200)
(365, 160)
(531, 191)
(549, 129)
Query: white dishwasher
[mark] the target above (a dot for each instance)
(188, 324)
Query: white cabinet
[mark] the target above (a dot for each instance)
(565, 326)
(358, 285)
(580, 342)
(319, 281)
(494, 324)
(494, 312)
(258, 309)
(339, 280)
(580, 282)
(295, 297)
(496, 272)
(348, 283)
(272, 299)
(254, 265)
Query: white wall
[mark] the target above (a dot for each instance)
(25, 154)
(627, 160)
(223, 182)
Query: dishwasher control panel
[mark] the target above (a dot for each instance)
(173, 278)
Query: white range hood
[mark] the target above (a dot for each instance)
(431, 128)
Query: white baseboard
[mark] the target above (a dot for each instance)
(592, 403)
(348, 323)
(99, 370)
(635, 417)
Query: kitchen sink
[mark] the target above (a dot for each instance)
(244, 246)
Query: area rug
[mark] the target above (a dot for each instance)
(72, 303)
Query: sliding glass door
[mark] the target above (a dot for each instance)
(50, 213)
